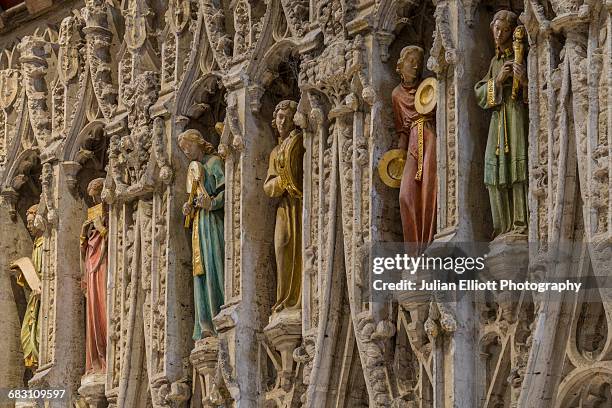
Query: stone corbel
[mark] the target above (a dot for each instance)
(11, 196)
(384, 39)
(71, 169)
(284, 333)
(232, 138)
(255, 94)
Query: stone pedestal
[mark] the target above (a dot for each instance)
(284, 333)
(508, 258)
(92, 389)
(204, 359)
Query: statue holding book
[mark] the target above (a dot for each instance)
(28, 271)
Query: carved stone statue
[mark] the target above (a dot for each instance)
(94, 258)
(417, 135)
(505, 173)
(29, 277)
(204, 213)
(284, 180)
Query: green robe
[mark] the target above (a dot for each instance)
(30, 336)
(208, 250)
(505, 172)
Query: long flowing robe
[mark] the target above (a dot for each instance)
(94, 252)
(505, 172)
(30, 336)
(287, 237)
(208, 249)
(417, 197)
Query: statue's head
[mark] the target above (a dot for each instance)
(410, 64)
(94, 189)
(283, 117)
(32, 223)
(193, 144)
(503, 24)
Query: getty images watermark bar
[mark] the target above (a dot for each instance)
(450, 270)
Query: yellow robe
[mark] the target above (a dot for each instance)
(30, 336)
(287, 239)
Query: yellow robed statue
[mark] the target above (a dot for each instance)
(284, 181)
(28, 276)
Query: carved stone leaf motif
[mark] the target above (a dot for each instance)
(136, 24)
(443, 49)
(296, 12)
(180, 15)
(98, 37)
(68, 55)
(34, 53)
(9, 87)
(221, 43)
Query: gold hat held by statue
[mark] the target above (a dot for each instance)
(426, 96)
(391, 167)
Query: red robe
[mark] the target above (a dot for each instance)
(417, 198)
(94, 283)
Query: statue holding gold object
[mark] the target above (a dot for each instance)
(204, 214)
(284, 180)
(505, 172)
(414, 102)
(94, 261)
(28, 275)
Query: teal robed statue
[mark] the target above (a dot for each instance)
(204, 214)
(503, 92)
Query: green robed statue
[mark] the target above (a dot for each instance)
(204, 213)
(504, 92)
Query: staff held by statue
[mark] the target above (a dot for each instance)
(519, 56)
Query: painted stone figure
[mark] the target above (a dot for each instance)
(415, 126)
(505, 173)
(204, 213)
(29, 277)
(284, 180)
(94, 258)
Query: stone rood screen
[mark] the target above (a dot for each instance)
(298, 203)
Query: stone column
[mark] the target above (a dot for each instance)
(62, 355)
(463, 210)
(249, 236)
